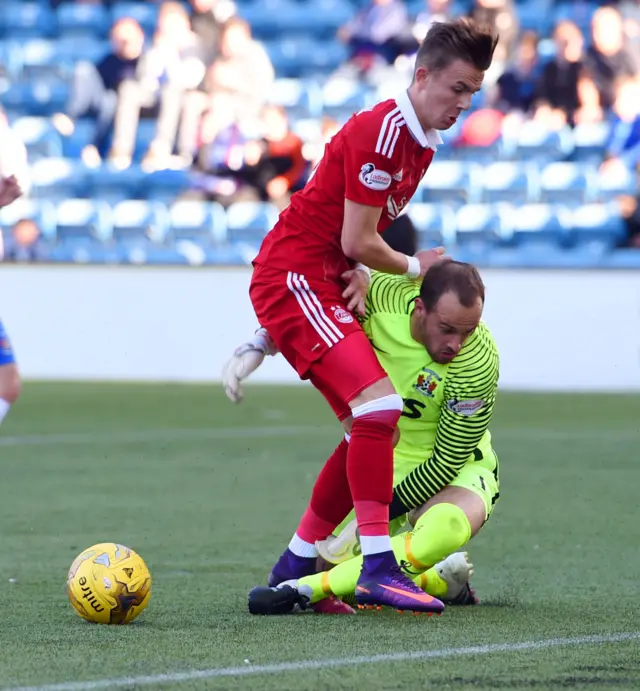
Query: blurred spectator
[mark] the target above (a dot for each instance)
(623, 146)
(434, 11)
(243, 71)
(220, 155)
(608, 57)
(95, 87)
(380, 32)
(165, 73)
(207, 22)
(590, 110)
(280, 168)
(500, 14)
(516, 87)
(13, 156)
(25, 244)
(557, 94)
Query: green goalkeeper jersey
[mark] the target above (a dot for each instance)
(447, 408)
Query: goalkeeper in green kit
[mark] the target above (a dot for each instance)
(444, 362)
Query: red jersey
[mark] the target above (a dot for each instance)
(377, 159)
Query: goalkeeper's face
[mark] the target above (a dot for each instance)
(444, 329)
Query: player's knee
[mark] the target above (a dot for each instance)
(379, 389)
(386, 409)
(441, 530)
(10, 384)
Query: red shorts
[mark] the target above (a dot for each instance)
(309, 322)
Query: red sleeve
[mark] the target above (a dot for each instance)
(367, 171)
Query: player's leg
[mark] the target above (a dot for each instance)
(9, 375)
(442, 526)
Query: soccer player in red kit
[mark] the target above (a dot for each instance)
(369, 172)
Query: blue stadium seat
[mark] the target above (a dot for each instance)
(598, 225)
(301, 98)
(627, 258)
(435, 223)
(565, 183)
(343, 95)
(115, 185)
(10, 59)
(589, 142)
(479, 223)
(39, 59)
(20, 20)
(74, 49)
(82, 136)
(506, 181)
(137, 221)
(200, 222)
(539, 224)
(43, 96)
(43, 212)
(39, 136)
(250, 221)
(614, 182)
(535, 142)
(58, 178)
(83, 221)
(164, 185)
(83, 251)
(447, 180)
(80, 19)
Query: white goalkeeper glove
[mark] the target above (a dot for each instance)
(245, 360)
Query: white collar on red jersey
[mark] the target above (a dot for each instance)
(431, 138)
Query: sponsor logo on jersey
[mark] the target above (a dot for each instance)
(398, 176)
(341, 315)
(373, 178)
(427, 382)
(466, 408)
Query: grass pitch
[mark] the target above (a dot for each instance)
(209, 494)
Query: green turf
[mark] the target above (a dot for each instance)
(209, 512)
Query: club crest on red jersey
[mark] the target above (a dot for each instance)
(427, 382)
(341, 315)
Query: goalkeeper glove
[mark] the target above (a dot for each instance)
(245, 360)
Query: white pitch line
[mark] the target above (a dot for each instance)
(306, 665)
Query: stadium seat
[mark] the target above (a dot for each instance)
(80, 19)
(434, 223)
(447, 180)
(479, 223)
(597, 225)
(199, 222)
(115, 185)
(301, 98)
(19, 20)
(250, 221)
(83, 221)
(343, 95)
(505, 181)
(565, 183)
(589, 142)
(614, 182)
(137, 221)
(43, 212)
(58, 178)
(534, 141)
(164, 185)
(43, 96)
(83, 251)
(39, 59)
(539, 224)
(39, 136)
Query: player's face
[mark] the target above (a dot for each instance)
(446, 327)
(440, 97)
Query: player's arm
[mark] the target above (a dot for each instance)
(368, 177)
(245, 360)
(469, 399)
